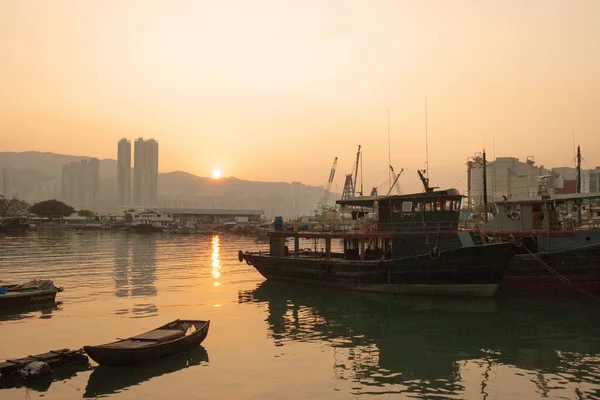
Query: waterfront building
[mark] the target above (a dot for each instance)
(507, 178)
(590, 180)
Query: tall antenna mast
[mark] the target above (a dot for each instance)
(389, 152)
(426, 141)
(494, 188)
(574, 153)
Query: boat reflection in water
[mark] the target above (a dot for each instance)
(41, 310)
(107, 380)
(439, 346)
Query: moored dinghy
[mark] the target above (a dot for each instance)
(27, 294)
(172, 338)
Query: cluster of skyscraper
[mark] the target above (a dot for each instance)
(145, 173)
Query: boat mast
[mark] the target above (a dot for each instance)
(485, 202)
(356, 172)
(578, 202)
(578, 170)
(389, 152)
(426, 142)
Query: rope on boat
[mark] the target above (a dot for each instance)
(562, 277)
(554, 272)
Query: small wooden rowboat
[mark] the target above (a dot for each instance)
(172, 338)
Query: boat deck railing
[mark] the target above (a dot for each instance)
(566, 227)
(375, 227)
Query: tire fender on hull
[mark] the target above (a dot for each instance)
(434, 253)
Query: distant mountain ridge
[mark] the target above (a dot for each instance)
(32, 170)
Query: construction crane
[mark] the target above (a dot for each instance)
(395, 184)
(350, 182)
(325, 198)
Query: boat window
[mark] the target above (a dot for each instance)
(456, 205)
(407, 206)
(429, 206)
(417, 207)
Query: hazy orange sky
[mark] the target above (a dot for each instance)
(274, 90)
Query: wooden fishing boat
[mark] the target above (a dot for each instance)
(401, 244)
(172, 338)
(53, 358)
(555, 252)
(27, 294)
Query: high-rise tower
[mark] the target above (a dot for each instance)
(124, 173)
(145, 172)
(5, 183)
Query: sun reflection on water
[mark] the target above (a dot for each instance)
(216, 260)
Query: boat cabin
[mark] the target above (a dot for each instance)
(386, 227)
(431, 210)
(556, 213)
(152, 218)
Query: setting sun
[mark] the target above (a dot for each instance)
(216, 174)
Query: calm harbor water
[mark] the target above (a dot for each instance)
(278, 341)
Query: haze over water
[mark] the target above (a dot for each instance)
(280, 341)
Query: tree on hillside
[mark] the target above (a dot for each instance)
(13, 207)
(86, 213)
(51, 208)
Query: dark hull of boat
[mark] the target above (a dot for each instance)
(27, 299)
(14, 226)
(53, 358)
(128, 356)
(473, 271)
(527, 273)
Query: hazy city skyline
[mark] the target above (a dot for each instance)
(274, 91)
